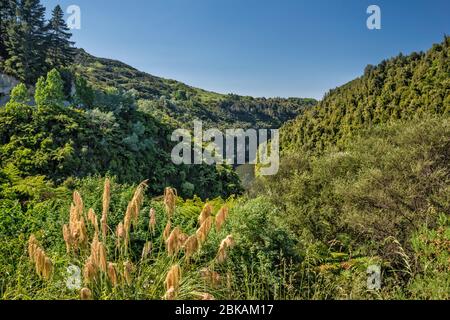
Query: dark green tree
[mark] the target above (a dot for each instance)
(60, 51)
(25, 43)
(7, 11)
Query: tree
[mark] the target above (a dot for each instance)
(18, 105)
(19, 94)
(25, 42)
(50, 91)
(7, 11)
(60, 48)
(84, 95)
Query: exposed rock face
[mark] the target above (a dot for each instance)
(7, 83)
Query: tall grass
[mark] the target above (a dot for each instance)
(168, 267)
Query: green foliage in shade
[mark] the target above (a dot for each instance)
(29, 46)
(60, 142)
(84, 94)
(6, 13)
(403, 87)
(24, 41)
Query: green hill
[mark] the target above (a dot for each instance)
(182, 103)
(399, 88)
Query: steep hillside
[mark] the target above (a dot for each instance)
(183, 103)
(399, 88)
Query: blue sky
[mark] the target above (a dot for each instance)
(256, 47)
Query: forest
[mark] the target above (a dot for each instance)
(92, 207)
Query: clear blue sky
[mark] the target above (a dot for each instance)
(256, 47)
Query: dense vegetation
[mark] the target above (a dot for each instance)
(56, 142)
(364, 180)
(29, 45)
(181, 104)
(370, 199)
(403, 87)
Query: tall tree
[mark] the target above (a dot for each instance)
(60, 49)
(7, 12)
(25, 42)
(50, 90)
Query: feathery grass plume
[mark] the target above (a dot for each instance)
(102, 256)
(83, 235)
(48, 268)
(39, 259)
(190, 246)
(167, 229)
(221, 217)
(98, 253)
(120, 233)
(225, 245)
(173, 278)
(78, 201)
(133, 208)
(42, 263)
(205, 214)
(67, 237)
(106, 201)
(146, 250)
(89, 271)
(104, 225)
(152, 220)
(203, 231)
(211, 277)
(92, 218)
(85, 294)
(32, 245)
(128, 272)
(170, 199)
(182, 238)
(173, 244)
(112, 273)
(136, 202)
(127, 227)
(95, 254)
(75, 234)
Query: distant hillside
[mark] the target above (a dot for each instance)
(182, 103)
(399, 88)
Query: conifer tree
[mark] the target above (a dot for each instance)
(7, 12)
(25, 42)
(60, 51)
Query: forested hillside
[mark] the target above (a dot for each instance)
(403, 87)
(181, 103)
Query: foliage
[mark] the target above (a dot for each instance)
(366, 202)
(19, 279)
(59, 47)
(28, 45)
(61, 142)
(181, 104)
(403, 87)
